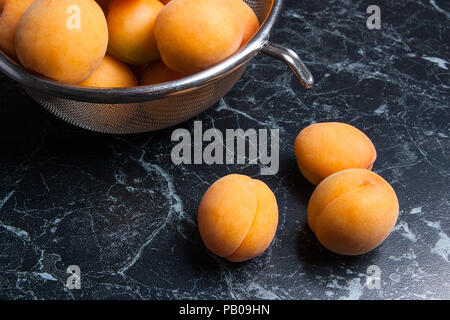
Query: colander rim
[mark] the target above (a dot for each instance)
(144, 93)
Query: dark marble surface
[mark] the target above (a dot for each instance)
(117, 206)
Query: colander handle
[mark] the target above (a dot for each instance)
(292, 60)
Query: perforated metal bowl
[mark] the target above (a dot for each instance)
(148, 108)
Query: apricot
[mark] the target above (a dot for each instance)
(131, 24)
(247, 17)
(10, 13)
(352, 211)
(325, 148)
(111, 73)
(158, 72)
(64, 40)
(238, 217)
(193, 35)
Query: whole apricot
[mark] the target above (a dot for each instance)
(238, 217)
(64, 40)
(111, 73)
(193, 35)
(10, 13)
(247, 17)
(352, 211)
(158, 72)
(325, 148)
(131, 24)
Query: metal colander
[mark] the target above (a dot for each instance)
(149, 108)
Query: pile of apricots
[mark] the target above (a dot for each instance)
(351, 212)
(123, 43)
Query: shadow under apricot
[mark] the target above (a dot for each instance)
(297, 185)
(313, 255)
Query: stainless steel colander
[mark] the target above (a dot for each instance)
(148, 108)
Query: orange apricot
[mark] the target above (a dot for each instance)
(64, 40)
(158, 72)
(325, 148)
(193, 35)
(131, 24)
(238, 217)
(111, 73)
(247, 17)
(352, 211)
(10, 13)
